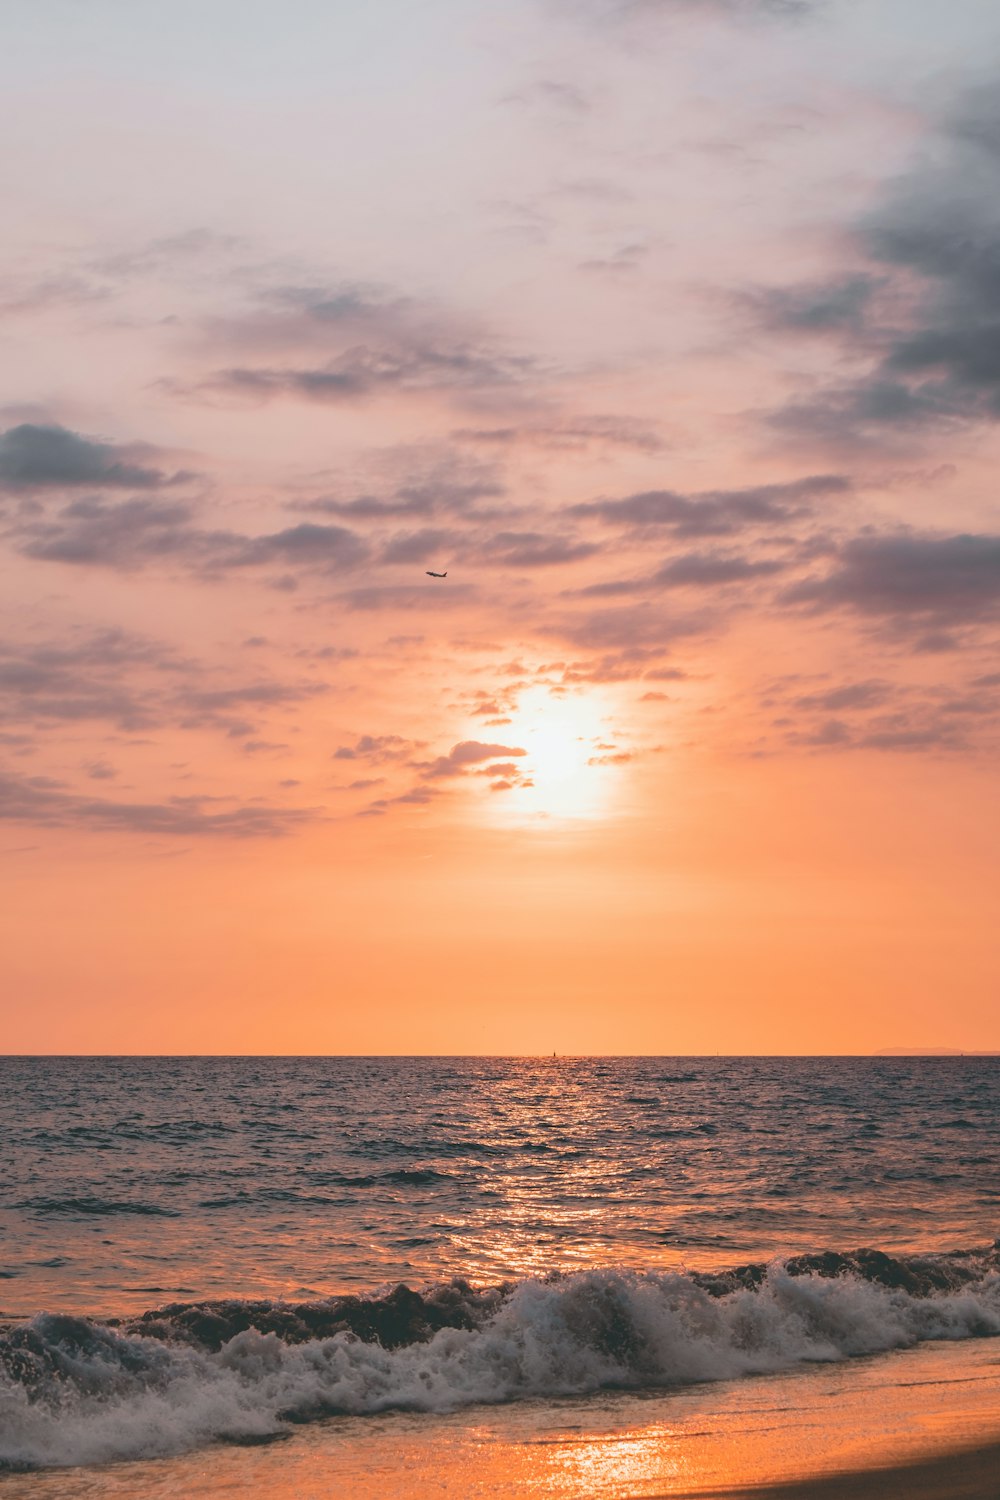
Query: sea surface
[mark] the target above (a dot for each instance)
(205, 1249)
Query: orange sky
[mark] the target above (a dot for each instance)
(667, 330)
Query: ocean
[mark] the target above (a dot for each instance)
(206, 1251)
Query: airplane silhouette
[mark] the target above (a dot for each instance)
(436, 575)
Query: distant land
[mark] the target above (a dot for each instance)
(932, 1052)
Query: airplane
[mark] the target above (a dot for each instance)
(436, 575)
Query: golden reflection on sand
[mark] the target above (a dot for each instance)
(624, 1464)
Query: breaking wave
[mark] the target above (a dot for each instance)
(78, 1392)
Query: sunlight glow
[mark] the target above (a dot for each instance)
(572, 765)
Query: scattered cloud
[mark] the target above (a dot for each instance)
(377, 748)
(362, 372)
(40, 801)
(347, 344)
(716, 512)
(932, 244)
(691, 570)
(532, 549)
(468, 753)
(138, 533)
(579, 434)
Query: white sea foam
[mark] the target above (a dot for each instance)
(118, 1397)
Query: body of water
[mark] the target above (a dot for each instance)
(203, 1248)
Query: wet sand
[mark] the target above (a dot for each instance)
(969, 1475)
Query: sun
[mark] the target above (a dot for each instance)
(571, 767)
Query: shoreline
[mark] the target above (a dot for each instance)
(964, 1474)
(922, 1424)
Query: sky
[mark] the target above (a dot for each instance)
(670, 331)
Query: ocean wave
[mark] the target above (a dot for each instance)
(96, 1206)
(78, 1392)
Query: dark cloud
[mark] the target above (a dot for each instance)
(44, 803)
(468, 753)
(910, 576)
(716, 512)
(33, 456)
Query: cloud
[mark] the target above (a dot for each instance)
(40, 801)
(570, 434)
(911, 576)
(416, 546)
(532, 549)
(549, 93)
(882, 715)
(377, 748)
(347, 344)
(716, 512)
(428, 595)
(118, 534)
(634, 634)
(308, 543)
(363, 371)
(639, 11)
(225, 707)
(85, 680)
(417, 796)
(692, 570)
(468, 753)
(33, 456)
(622, 262)
(450, 488)
(851, 695)
(133, 683)
(133, 534)
(816, 307)
(934, 243)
